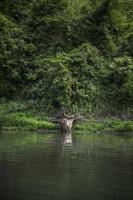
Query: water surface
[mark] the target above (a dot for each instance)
(53, 166)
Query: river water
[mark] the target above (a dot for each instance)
(55, 166)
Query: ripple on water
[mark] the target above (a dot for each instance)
(54, 166)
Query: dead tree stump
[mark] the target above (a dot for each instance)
(66, 121)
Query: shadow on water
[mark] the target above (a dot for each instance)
(78, 166)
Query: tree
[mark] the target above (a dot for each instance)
(15, 57)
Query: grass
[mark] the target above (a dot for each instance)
(16, 115)
(107, 125)
(28, 122)
(22, 120)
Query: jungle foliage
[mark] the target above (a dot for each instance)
(76, 54)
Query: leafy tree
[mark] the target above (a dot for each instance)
(69, 80)
(15, 57)
(62, 53)
(118, 82)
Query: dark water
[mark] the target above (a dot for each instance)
(52, 166)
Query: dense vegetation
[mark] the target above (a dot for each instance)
(76, 54)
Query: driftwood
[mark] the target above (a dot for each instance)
(66, 121)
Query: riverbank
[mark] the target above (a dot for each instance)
(25, 121)
(106, 125)
(14, 115)
(28, 122)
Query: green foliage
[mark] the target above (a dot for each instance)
(69, 80)
(15, 57)
(16, 114)
(107, 125)
(118, 82)
(62, 53)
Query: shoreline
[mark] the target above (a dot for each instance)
(27, 122)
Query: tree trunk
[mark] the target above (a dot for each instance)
(66, 121)
(66, 124)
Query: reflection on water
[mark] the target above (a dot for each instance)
(67, 139)
(50, 166)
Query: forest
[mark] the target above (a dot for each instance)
(71, 54)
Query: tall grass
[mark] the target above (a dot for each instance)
(21, 115)
(106, 125)
(16, 114)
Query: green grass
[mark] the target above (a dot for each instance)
(26, 121)
(14, 114)
(107, 125)
(17, 115)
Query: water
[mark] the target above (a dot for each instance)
(52, 166)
